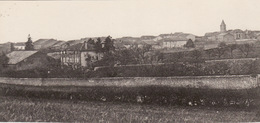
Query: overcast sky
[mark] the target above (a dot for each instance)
(67, 20)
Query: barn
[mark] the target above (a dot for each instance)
(25, 60)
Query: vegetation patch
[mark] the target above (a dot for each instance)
(146, 95)
(42, 110)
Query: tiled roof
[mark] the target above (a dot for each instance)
(59, 43)
(18, 56)
(73, 42)
(209, 34)
(174, 39)
(44, 43)
(151, 42)
(75, 47)
(81, 46)
(223, 34)
(148, 37)
(165, 34)
(19, 44)
(40, 41)
(237, 30)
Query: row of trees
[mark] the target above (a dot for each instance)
(249, 67)
(223, 51)
(125, 56)
(143, 55)
(223, 48)
(99, 46)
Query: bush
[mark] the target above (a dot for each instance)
(228, 67)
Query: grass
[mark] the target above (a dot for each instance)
(25, 109)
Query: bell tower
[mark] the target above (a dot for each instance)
(223, 27)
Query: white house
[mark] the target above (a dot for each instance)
(80, 55)
(19, 46)
(174, 43)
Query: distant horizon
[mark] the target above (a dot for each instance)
(33, 39)
(73, 20)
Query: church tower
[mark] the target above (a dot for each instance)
(223, 27)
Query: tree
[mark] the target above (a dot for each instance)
(245, 49)
(178, 56)
(12, 47)
(196, 54)
(124, 57)
(218, 68)
(232, 47)
(109, 59)
(91, 41)
(196, 57)
(209, 52)
(140, 53)
(3, 61)
(109, 44)
(189, 44)
(222, 45)
(29, 44)
(221, 49)
(160, 56)
(98, 45)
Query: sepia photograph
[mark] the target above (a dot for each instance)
(129, 61)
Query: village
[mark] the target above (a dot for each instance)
(96, 52)
(136, 61)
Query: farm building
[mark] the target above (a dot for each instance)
(19, 46)
(24, 60)
(174, 43)
(80, 55)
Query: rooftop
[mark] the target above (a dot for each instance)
(18, 56)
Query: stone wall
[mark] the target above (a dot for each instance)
(205, 82)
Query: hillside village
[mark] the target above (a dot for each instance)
(92, 53)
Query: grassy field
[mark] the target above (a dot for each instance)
(23, 109)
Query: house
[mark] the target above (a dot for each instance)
(19, 46)
(24, 60)
(225, 37)
(179, 35)
(60, 45)
(200, 39)
(252, 34)
(211, 36)
(166, 35)
(174, 43)
(44, 43)
(147, 38)
(238, 34)
(80, 55)
(130, 39)
(220, 37)
(154, 44)
(127, 42)
(185, 35)
(157, 38)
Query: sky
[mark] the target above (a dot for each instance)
(69, 20)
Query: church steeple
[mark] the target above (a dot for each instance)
(223, 26)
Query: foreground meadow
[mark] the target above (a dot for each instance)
(25, 109)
